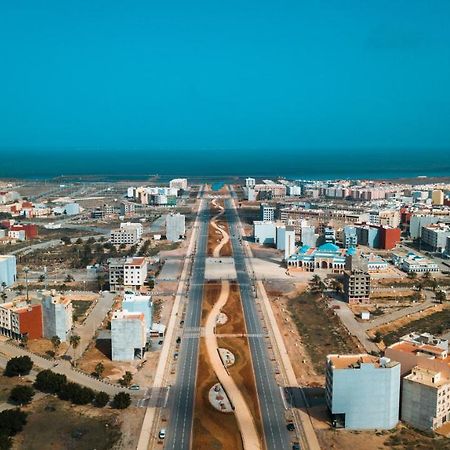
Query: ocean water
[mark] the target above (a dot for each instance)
(223, 165)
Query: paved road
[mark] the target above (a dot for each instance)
(269, 395)
(182, 393)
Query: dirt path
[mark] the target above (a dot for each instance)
(225, 236)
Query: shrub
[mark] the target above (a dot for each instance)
(12, 421)
(101, 399)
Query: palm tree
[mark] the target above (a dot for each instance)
(441, 296)
(56, 342)
(99, 369)
(74, 341)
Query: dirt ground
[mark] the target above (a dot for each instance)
(242, 373)
(42, 346)
(212, 428)
(53, 424)
(233, 310)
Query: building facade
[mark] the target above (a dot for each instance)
(8, 270)
(57, 313)
(356, 286)
(362, 391)
(128, 336)
(175, 227)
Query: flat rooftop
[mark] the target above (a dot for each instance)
(355, 361)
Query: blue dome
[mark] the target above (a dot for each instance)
(351, 251)
(329, 247)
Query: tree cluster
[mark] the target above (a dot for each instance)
(19, 365)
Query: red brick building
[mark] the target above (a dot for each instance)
(19, 319)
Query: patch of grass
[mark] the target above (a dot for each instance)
(435, 323)
(321, 331)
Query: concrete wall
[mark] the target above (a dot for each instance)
(369, 397)
(264, 232)
(418, 404)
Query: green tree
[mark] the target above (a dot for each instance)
(122, 400)
(66, 240)
(126, 379)
(19, 365)
(21, 394)
(101, 399)
(41, 278)
(69, 278)
(336, 286)
(378, 337)
(412, 275)
(441, 296)
(12, 421)
(50, 382)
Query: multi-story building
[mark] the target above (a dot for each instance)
(127, 209)
(128, 233)
(175, 227)
(179, 183)
(128, 335)
(362, 391)
(356, 286)
(270, 191)
(350, 238)
(435, 236)
(250, 183)
(387, 217)
(425, 398)
(19, 319)
(412, 262)
(389, 237)
(285, 239)
(308, 235)
(437, 197)
(264, 232)
(267, 212)
(127, 272)
(139, 304)
(329, 235)
(418, 221)
(8, 270)
(57, 314)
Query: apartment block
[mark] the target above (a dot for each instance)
(175, 227)
(57, 314)
(179, 183)
(435, 236)
(437, 197)
(362, 391)
(425, 398)
(357, 286)
(129, 233)
(267, 212)
(128, 336)
(135, 303)
(412, 262)
(349, 237)
(285, 239)
(18, 319)
(8, 270)
(264, 232)
(127, 272)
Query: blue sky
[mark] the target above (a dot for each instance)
(225, 75)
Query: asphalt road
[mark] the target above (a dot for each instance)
(182, 394)
(269, 395)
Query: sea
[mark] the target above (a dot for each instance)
(223, 165)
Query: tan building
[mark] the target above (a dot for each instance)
(437, 197)
(425, 398)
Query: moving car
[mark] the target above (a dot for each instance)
(162, 433)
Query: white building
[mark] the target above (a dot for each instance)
(179, 183)
(128, 336)
(412, 262)
(267, 212)
(363, 391)
(8, 270)
(435, 236)
(175, 227)
(127, 272)
(285, 237)
(128, 233)
(250, 183)
(264, 232)
(139, 304)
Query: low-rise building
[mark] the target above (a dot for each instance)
(179, 183)
(128, 335)
(435, 236)
(362, 391)
(413, 263)
(57, 314)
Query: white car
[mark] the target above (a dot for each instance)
(162, 433)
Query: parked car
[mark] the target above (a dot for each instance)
(290, 427)
(135, 387)
(162, 433)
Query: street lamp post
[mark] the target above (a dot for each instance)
(26, 270)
